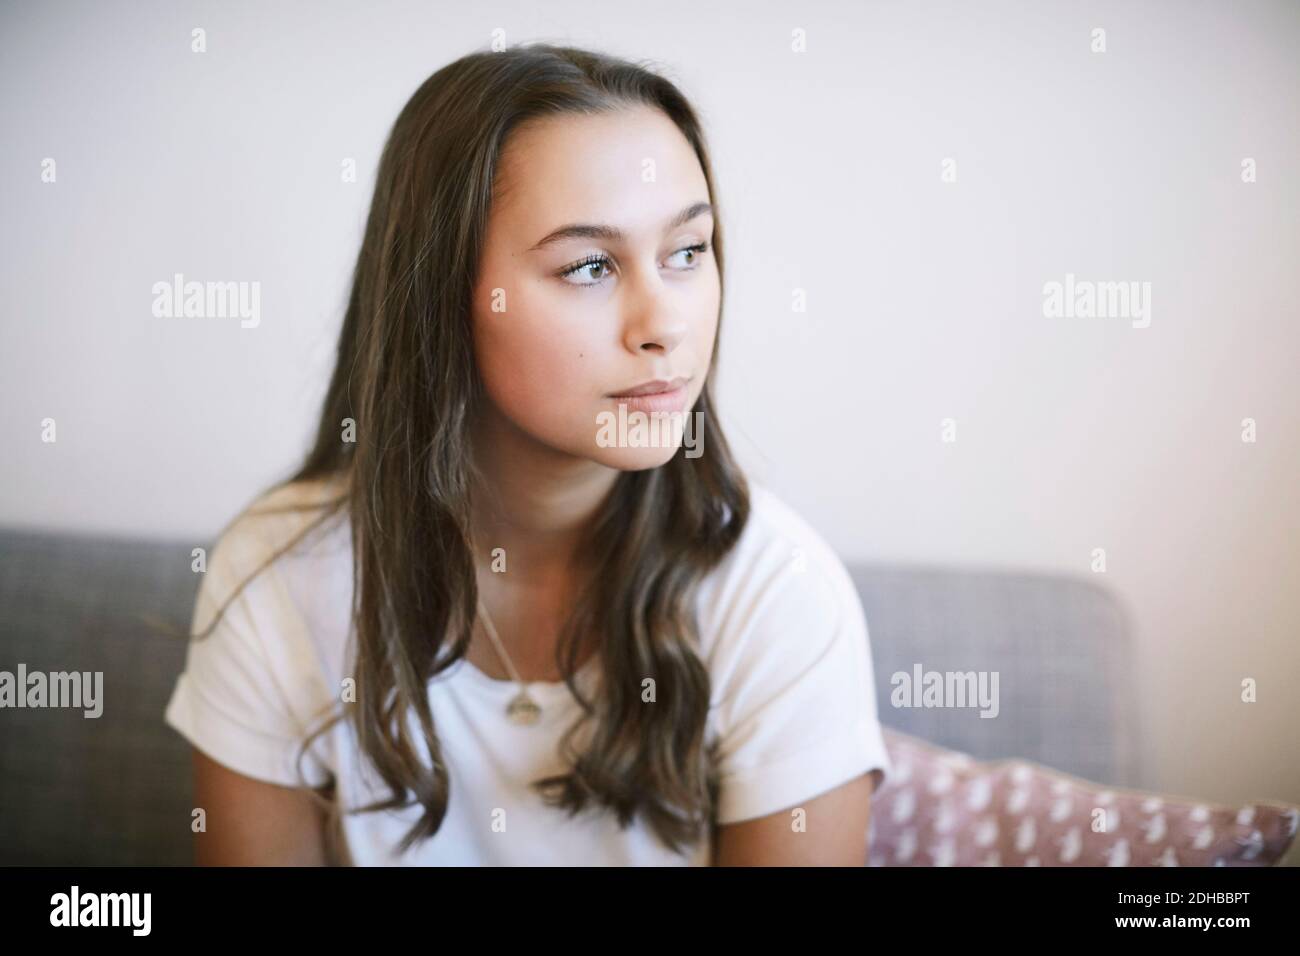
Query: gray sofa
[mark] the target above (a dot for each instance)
(115, 790)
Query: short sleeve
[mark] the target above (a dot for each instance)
(796, 714)
(245, 695)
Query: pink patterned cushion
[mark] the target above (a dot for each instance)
(944, 808)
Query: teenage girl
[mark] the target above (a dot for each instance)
(474, 629)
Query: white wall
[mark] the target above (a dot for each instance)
(924, 298)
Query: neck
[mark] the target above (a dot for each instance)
(533, 501)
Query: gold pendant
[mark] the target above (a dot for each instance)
(523, 710)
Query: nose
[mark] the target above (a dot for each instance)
(653, 322)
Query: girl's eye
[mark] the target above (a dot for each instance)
(694, 253)
(586, 266)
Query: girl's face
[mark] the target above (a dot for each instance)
(597, 276)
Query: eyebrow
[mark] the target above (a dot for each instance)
(613, 234)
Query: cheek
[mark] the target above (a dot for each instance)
(537, 361)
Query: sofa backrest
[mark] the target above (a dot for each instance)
(1060, 645)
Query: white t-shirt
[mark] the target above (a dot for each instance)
(782, 633)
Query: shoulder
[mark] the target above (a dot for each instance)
(779, 554)
(779, 597)
(280, 531)
(285, 518)
(778, 527)
(282, 570)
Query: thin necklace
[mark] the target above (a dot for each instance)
(522, 709)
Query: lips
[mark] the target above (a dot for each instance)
(658, 396)
(657, 387)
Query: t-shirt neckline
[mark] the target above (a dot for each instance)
(478, 678)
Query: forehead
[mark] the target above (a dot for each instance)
(592, 168)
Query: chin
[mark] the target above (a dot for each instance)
(634, 459)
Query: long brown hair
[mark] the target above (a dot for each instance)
(394, 434)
